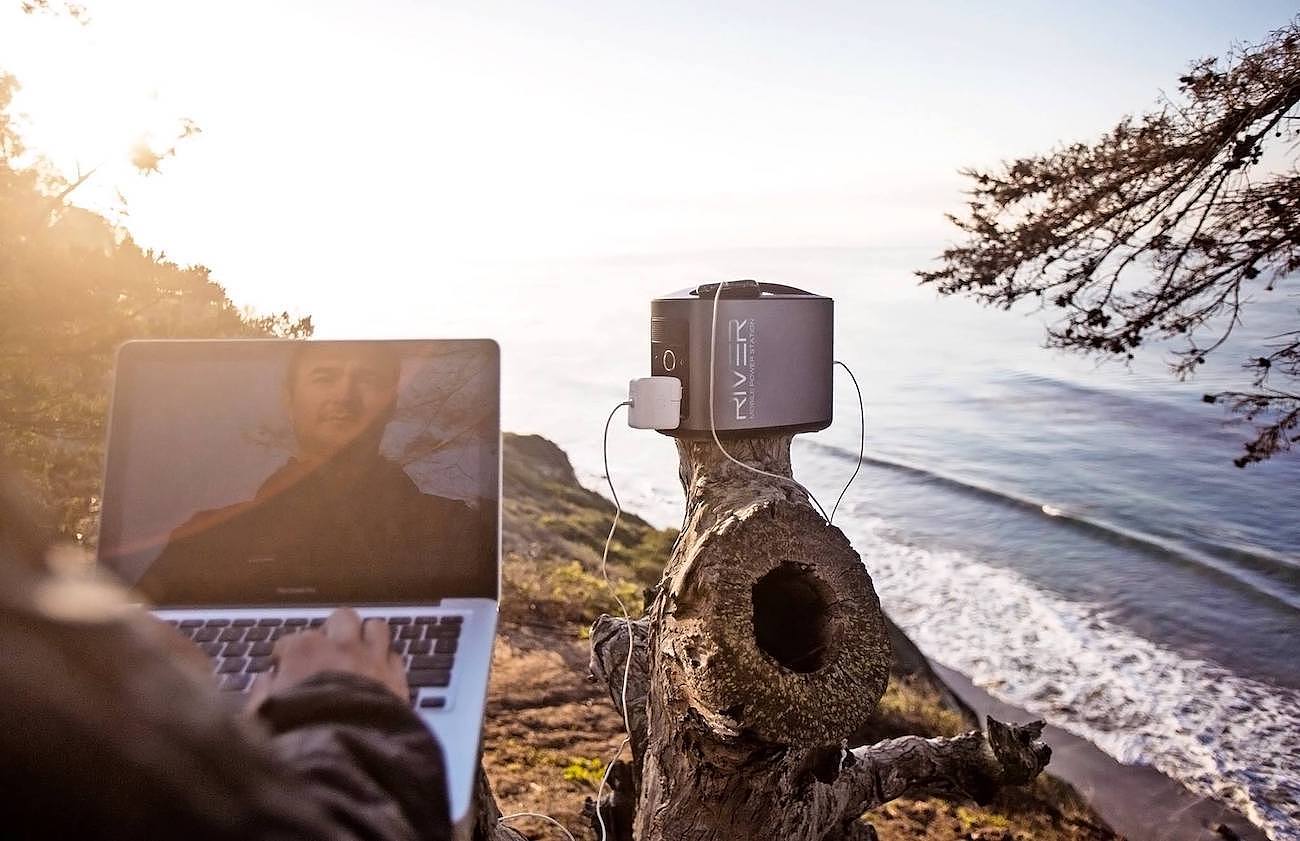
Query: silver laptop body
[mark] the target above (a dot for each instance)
(252, 486)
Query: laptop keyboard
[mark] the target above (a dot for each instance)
(241, 648)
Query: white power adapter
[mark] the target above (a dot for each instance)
(654, 403)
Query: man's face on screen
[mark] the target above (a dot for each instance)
(338, 394)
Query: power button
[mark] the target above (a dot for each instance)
(669, 360)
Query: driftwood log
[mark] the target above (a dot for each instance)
(763, 648)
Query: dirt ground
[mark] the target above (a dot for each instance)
(550, 731)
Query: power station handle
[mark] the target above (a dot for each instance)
(747, 289)
(782, 289)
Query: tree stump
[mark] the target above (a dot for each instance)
(762, 650)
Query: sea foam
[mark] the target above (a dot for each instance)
(1221, 735)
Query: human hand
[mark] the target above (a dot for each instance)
(183, 652)
(343, 644)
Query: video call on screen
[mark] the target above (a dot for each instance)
(289, 472)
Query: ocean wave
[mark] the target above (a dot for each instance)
(1221, 735)
(1269, 574)
(1145, 398)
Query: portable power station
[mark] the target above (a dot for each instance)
(772, 357)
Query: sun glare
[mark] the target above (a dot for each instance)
(90, 106)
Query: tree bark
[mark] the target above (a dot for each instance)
(487, 815)
(763, 650)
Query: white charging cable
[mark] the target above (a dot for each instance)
(627, 620)
(514, 815)
(862, 441)
(604, 778)
(604, 558)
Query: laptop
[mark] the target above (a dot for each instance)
(252, 486)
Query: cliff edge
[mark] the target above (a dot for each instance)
(549, 731)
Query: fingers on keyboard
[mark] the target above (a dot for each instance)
(241, 648)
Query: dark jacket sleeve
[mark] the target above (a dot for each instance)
(103, 734)
(365, 754)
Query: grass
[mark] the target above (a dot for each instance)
(913, 706)
(554, 531)
(588, 771)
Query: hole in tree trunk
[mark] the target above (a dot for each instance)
(792, 617)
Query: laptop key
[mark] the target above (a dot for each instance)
(206, 634)
(451, 620)
(431, 661)
(426, 620)
(420, 647)
(433, 702)
(261, 649)
(295, 622)
(235, 649)
(191, 623)
(268, 623)
(399, 646)
(231, 665)
(217, 623)
(428, 677)
(235, 683)
(231, 635)
(399, 620)
(441, 632)
(212, 649)
(317, 622)
(258, 664)
(244, 623)
(257, 634)
(445, 646)
(409, 632)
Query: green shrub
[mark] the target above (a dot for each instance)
(589, 771)
(587, 594)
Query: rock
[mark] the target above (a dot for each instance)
(541, 455)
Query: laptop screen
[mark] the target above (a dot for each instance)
(300, 473)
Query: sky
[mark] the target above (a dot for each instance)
(393, 143)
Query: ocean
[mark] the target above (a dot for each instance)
(1070, 534)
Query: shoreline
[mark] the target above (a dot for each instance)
(1137, 801)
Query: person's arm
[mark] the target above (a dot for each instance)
(338, 711)
(105, 732)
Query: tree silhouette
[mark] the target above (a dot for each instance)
(1165, 227)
